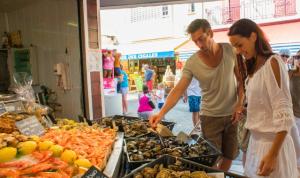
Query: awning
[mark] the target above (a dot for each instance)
(160, 48)
(280, 34)
(164, 54)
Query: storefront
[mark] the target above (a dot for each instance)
(158, 61)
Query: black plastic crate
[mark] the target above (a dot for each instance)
(131, 119)
(185, 164)
(170, 125)
(208, 158)
(131, 164)
(125, 120)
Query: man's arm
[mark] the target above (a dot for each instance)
(171, 100)
(238, 109)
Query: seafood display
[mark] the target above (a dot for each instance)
(22, 156)
(175, 171)
(143, 149)
(12, 139)
(38, 164)
(66, 150)
(117, 121)
(8, 122)
(125, 123)
(136, 129)
(93, 144)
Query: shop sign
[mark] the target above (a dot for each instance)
(30, 126)
(2, 109)
(93, 172)
(148, 55)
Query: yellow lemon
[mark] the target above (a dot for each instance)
(45, 145)
(35, 138)
(83, 163)
(27, 147)
(7, 154)
(68, 156)
(56, 149)
(82, 170)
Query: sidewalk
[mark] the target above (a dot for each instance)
(183, 118)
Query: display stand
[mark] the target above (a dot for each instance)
(114, 162)
(113, 104)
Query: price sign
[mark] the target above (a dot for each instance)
(30, 126)
(15, 107)
(93, 172)
(2, 109)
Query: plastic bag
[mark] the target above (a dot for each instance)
(23, 88)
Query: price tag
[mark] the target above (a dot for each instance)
(30, 126)
(93, 172)
(47, 121)
(2, 109)
(15, 107)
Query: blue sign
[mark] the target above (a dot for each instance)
(148, 55)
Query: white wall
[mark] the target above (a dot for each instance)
(46, 25)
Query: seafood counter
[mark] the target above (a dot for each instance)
(117, 146)
(69, 149)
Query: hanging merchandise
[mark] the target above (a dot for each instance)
(62, 72)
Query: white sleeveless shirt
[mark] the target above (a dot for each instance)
(269, 106)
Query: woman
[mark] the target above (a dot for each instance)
(271, 151)
(108, 64)
(124, 89)
(146, 107)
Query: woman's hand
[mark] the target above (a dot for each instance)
(267, 165)
(237, 114)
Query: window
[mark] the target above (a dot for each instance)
(165, 11)
(142, 14)
(191, 8)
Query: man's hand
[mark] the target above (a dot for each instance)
(185, 99)
(267, 165)
(237, 115)
(154, 120)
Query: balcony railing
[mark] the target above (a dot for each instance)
(255, 10)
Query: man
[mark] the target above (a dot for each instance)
(193, 96)
(148, 77)
(294, 74)
(214, 66)
(117, 67)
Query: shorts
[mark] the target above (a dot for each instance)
(222, 134)
(194, 103)
(145, 115)
(160, 105)
(117, 71)
(150, 85)
(124, 90)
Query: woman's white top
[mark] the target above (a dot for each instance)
(269, 106)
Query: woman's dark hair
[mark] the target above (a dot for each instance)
(244, 28)
(145, 89)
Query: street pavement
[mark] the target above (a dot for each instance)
(183, 118)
